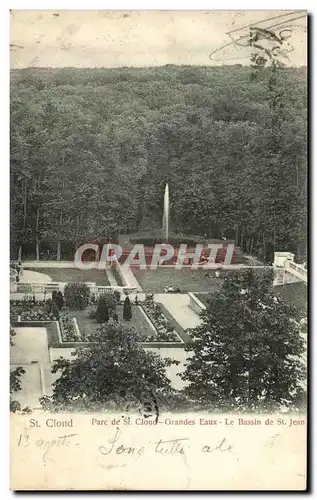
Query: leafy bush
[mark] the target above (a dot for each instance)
(76, 296)
(93, 298)
(15, 376)
(149, 298)
(58, 299)
(111, 301)
(15, 406)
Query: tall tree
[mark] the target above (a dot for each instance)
(127, 309)
(91, 151)
(112, 370)
(247, 351)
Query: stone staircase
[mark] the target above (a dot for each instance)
(288, 271)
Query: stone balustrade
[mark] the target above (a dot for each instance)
(60, 286)
(284, 261)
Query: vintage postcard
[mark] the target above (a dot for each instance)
(158, 272)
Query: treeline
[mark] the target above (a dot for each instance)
(91, 151)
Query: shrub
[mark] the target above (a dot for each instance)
(15, 406)
(54, 295)
(76, 296)
(102, 313)
(39, 313)
(48, 306)
(127, 309)
(117, 295)
(59, 300)
(149, 298)
(93, 298)
(110, 300)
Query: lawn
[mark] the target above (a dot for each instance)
(296, 294)
(74, 275)
(188, 280)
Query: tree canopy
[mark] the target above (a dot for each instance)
(247, 351)
(112, 372)
(91, 151)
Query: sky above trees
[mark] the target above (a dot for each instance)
(145, 38)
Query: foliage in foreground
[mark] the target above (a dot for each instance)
(113, 372)
(247, 351)
(15, 379)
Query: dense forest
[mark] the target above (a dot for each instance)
(91, 151)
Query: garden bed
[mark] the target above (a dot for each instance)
(74, 326)
(30, 311)
(165, 331)
(88, 325)
(140, 321)
(69, 329)
(117, 275)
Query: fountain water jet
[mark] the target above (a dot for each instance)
(166, 213)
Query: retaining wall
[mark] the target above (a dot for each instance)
(195, 304)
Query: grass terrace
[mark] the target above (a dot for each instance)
(204, 298)
(69, 275)
(188, 280)
(296, 294)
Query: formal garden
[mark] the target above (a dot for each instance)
(77, 314)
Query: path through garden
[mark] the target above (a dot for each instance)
(30, 350)
(178, 305)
